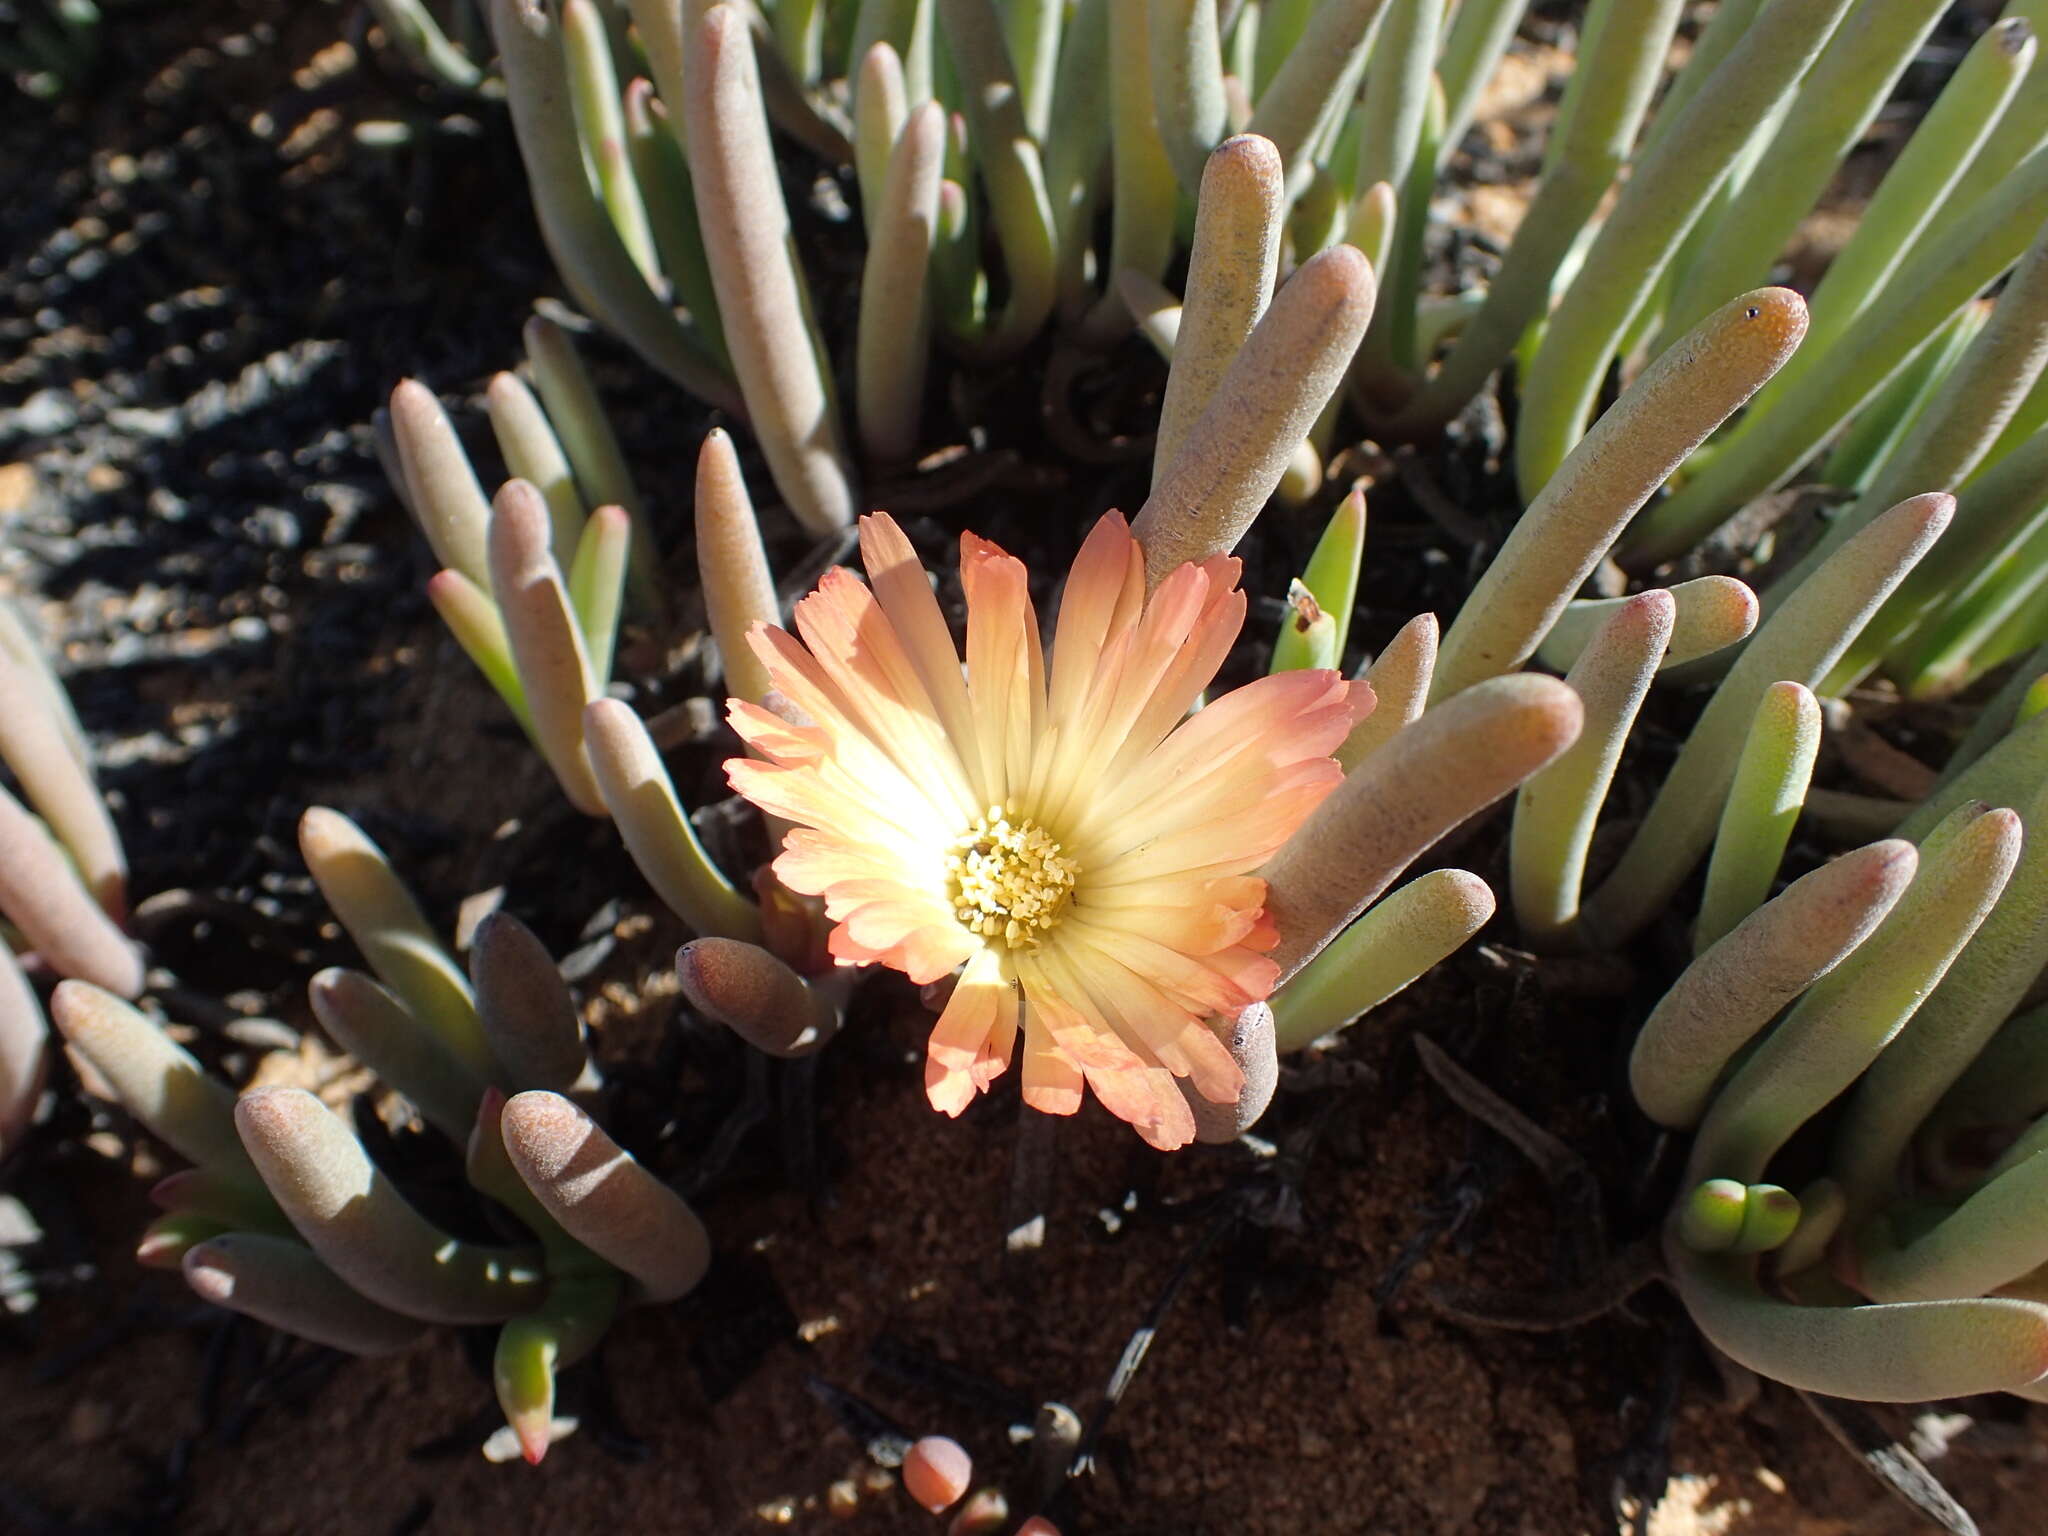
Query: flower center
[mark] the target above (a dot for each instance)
(1008, 879)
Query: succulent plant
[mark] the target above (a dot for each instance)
(674, 234)
(860, 726)
(1884, 984)
(531, 587)
(1305, 140)
(1923, 384)
(983, 136)
(284, 1215)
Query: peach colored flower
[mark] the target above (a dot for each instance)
(1049, 821)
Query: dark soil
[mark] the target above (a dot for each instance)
(210, 280)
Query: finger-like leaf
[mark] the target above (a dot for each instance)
(1320, 73)
(1845, 1019)
(1993, 1239)
(41, 896)
(881, 107)
(755, 995)
(763, 303)
(373, 1026)
(442, 488)
(1929, 164)
(1558, 807)
(1453, 762)
(1143, 190)
(547, 644)
(596, 586)
(380, 914)
(1569, 527)
(1391, 945)
(1667, 189)
(1764, 800)
(531, 1349)
(1007, 157)
(739, 592)
(279, 1281)
(37, 742)
(580, 236)
(1231, 268)
(642, 800)
(1713, 612)
(1825, 117)
(1950, 439)
(364, 1230)
(603, 1198)
(1267, 400)
(600, 124)
(1798, 643)
(532, 453)
(1622, 52)
(154, 1078)
(1399, 678)
(894, 337)
(1742, 981)
(1186, 64)
(528, 1015)
(1331, 581)
(1905, 1352)
(473, 619)
(1764, 449)
(1976, 995)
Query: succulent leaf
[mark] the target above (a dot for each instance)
(1390, 946)
(372, 903)
(1401, 799)
(363, 1229)
(642, 799)
(603, 1198)
(280, 1281)
(1741, 981)
(755, 995)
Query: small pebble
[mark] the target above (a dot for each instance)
(936, 1472)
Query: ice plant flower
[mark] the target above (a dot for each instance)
(1050, 823)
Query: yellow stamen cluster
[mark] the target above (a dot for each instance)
(1008, 878)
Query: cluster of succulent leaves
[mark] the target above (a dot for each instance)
(991, 142)
(1290, 151)
(285, 1217)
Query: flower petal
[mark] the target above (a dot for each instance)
(797, 675)
(960, 1041)
(859, 649)
(1051, 1083)
(1105, 593)
(1156, 1025)
(819, 797)
(1005, 665)
(905, 596)
(1124, 682)
(1233, 838)
(903, 936)
(1274, 723)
